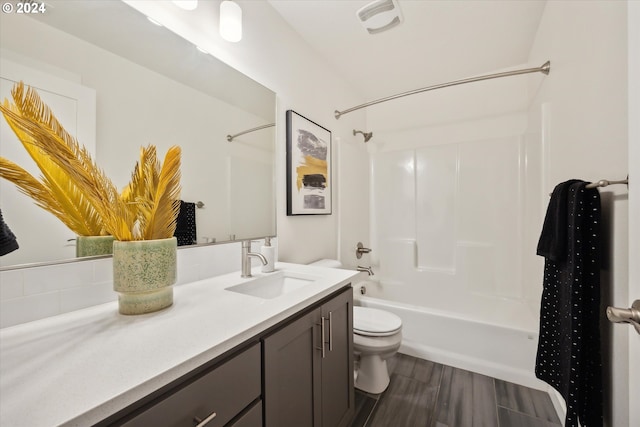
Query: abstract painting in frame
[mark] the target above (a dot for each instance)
(308, 167)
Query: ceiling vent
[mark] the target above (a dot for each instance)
(380, 16)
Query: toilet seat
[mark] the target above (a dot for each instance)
(372, 322)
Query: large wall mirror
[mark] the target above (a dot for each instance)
(118, 82)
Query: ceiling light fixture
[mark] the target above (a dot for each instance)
(230, 21)
(186, 4)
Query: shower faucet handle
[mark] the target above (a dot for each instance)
(360, 249)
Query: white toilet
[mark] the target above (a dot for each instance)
(377, 335)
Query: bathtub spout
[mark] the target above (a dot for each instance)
(367, 269)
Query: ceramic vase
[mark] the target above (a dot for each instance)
(144, 272)
(94, 245)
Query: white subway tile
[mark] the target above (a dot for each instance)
(221, 259)
(11, 284)
(103, 270)
(35, 293)
(26, 309)
(86, 296)
(188, 266)
(46, 279)
(188, 275)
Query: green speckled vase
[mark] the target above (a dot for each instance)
(94, 245)
(144, 272)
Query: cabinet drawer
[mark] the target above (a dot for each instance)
(226, 390)
(253, 418)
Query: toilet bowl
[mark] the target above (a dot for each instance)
(377, 335)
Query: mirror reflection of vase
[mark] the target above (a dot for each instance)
(93, 245)
(144, 272)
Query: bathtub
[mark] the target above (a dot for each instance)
(497, 338)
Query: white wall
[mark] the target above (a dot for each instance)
(582, 107)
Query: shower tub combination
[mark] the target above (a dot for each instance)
(497, 339)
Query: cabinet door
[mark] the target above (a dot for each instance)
(292, 374)
(337, 365)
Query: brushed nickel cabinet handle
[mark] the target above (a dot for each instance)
(322, 336)
(202, 423)
(330, 333)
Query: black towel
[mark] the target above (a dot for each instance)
(568, 356)
(553, 240)
(8, 241)
(186, 224)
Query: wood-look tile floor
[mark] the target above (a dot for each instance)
(426, 394)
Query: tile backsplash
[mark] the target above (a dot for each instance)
(34, 293)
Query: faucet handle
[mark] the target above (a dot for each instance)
(360, 249)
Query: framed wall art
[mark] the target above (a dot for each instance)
(308, 167)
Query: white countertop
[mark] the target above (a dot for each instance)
(78, 368)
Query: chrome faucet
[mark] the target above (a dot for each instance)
(246, 261)
(367, 269)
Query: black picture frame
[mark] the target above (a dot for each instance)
(309, 184)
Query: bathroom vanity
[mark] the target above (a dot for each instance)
(221, 356)
(322, 396)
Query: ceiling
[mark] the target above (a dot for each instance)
(439, 41)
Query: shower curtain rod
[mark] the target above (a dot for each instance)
(230, 137)
(544, 68)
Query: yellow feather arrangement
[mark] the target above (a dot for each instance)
(153, 197)
(76, 191)
(71, 187)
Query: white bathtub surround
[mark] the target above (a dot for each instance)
(77, 368)
(454, 209)
(458, 213)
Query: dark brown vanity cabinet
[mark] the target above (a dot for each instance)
(231, 390)
(308, 368)
(337, 366)
(298, 373)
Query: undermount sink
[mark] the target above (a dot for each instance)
(273, 285)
